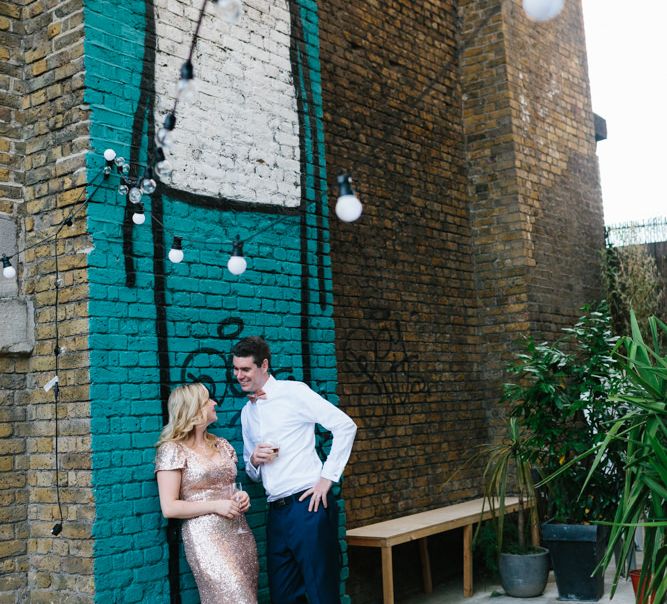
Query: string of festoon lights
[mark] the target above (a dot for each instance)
(348, 207)
(134, 188)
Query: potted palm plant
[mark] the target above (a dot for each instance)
(523, 566)
(560, 394)
(508, 485)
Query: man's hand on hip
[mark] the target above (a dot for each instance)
(319, 494)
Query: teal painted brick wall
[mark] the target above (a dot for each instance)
(205, 308)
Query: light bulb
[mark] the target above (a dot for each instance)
(176, 251)
(164, 138)
(123, 189)
(348, 206)
(109, 155)
(135, 195)
(8, 271)
(125, 169)
(148, 185)
(187, 88)
(187, 92)
(138, 216)
(229, 11)
(542, 10)
(176, 256)
(119, 161)
(237, 263)
(164, 171)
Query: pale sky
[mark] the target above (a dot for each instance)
(627, 63)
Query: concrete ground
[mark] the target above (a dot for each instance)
(452, 593)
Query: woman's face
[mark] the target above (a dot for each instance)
(208, 410)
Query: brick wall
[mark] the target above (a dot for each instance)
(48, 142)
(458, 121)
(406, 306)
(534, 182)
(155, 324)
(13, 369)
(465, 188)
(557, 170)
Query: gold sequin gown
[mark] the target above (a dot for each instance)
(223, 562)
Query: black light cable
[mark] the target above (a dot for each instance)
(58, 526)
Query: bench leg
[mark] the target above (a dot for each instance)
(426, 566)
(387, 576)
(467, 561)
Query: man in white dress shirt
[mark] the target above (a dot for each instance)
(279, 449)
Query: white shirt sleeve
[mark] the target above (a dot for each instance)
(254, 473)
(341, 427)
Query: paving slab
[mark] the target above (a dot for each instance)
(489, 593)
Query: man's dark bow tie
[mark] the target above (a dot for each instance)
(258, 394)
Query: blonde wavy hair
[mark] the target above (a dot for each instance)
(186, 411)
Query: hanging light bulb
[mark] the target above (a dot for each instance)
(123, 189)
(109, 156)
(134, 195)
(542, 10)
(139, 217)
(164, 136)
(163, 169)
(176, 251)
(119, 161)
(148, 184)
(187, 88)
(348, 206)
(8, 271)
(229, 11)
(237, 263)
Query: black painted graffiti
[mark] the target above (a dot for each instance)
(387, 366)
(218, 362)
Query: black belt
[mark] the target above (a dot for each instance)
(283, 502)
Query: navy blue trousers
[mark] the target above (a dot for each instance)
(302, 553)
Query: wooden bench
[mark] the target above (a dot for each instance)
(419, 527)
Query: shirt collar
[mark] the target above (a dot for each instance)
(270, 386)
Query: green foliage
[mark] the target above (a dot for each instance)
(508, 470)
(632, 281)
(560, 394)
(642, 431)
(507, 473)
(486, 546)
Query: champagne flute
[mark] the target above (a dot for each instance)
(275, 447)
(238, 489)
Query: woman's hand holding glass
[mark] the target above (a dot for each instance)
(242, 500)
(228, 508)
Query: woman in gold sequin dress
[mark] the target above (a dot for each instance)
(196, 472)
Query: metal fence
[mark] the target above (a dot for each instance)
(633, 233)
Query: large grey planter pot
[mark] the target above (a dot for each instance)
(524, 575)
(576, 550)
